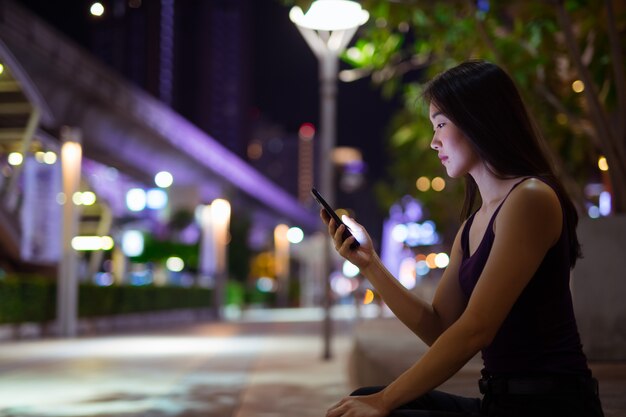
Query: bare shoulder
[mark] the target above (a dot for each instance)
(534, 193)
(533, 205)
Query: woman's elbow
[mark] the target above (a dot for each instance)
(480, 334)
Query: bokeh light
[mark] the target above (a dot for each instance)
(136, 199)
(15, 158)
(423, 184)
(96, 9)
(295, 235)
(174, 264)
(163, 179)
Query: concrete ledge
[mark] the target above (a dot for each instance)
(384, 348)
(599, 288)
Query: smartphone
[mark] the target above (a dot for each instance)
(320, 200)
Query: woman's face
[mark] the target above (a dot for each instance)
(453, 148)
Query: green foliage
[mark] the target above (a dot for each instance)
(157, 250)
(239, 253)
(33, 299)
(255, 297)
(26, 299)
(523, 37)
(405, 43)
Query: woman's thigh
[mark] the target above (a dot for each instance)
(433, 404)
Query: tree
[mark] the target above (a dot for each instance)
(551, 48)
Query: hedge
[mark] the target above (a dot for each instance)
(34, 300)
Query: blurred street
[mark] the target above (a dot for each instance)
(267, 363)
(262, 363)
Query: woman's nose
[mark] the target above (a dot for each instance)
(434, 143)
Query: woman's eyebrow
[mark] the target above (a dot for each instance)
(435, 114)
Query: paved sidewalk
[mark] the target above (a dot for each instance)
(290, 379)
(261, 364)
(265, 363)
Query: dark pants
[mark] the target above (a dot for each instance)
(433, 404)
(441, 404)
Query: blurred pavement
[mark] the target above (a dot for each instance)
(266, 363)
(263, 363)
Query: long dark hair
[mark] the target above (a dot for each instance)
(482, 100)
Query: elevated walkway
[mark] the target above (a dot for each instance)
(48, 82)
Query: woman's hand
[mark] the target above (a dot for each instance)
(361, 406)
(364, 254)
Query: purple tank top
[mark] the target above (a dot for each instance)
(540, 334)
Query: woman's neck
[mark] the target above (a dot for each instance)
(491, 188)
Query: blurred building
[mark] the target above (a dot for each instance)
(128, 135)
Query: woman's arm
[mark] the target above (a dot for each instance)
(426, 320)
(529, 224)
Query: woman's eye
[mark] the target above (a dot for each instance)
(440, 125)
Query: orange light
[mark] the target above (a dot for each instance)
(430, 260)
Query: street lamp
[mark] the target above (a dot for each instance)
(67, 288)
(327, 28)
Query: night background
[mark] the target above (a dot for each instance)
(240, 71)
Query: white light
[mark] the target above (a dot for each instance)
(330, 15)
(136, 199)
(350, 270)
(88, 198)
(107, 242)
(399, 233)
(132, 243)
(266, 284)
(604, 203)
(96, 9)
(163, 179)
(593, 212)
(406, 274)
(442, 260)
(220, 211)
(428, 228)
(77, 198)
(156, 199)
(174, 264)
(50, 158)
(15, 158)
(88, 243)
(295, 235)
(414, 233)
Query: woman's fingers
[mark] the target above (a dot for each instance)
(337, 409)
(324, 215)
(338, 237)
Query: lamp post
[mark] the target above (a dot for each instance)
(281, 256)
(67, 289)
(220, 218)
(327, 28)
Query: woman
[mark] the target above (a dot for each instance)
(505, 292)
